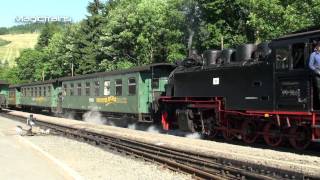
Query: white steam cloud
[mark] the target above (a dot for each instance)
(94, 116)
(193, 135)
(69, 115)
(153, 129)
(132, 126)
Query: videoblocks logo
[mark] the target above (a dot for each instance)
(43, 19)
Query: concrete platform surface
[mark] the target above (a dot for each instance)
(19, 160)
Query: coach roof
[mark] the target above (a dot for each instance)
(117, 72)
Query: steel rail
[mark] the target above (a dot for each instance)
(199, 166)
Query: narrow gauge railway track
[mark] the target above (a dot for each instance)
(200, 166)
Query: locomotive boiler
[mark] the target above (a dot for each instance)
(264, 90)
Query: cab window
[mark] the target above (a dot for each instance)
(298, 56)
(282, 58)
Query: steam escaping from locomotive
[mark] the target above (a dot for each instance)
(94, 116)
(193, 135)
(69, 115)
(153, 129)
(132, 126)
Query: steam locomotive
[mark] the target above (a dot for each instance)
(246, 93)
(264, 90)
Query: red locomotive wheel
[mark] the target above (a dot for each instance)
(300, 137)
(272, 134)
(249, 131)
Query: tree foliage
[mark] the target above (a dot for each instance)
(119, 34)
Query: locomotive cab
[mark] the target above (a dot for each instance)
(294, 82)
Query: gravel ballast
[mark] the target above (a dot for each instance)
(306, 164)
(95, 163)
(92, 162)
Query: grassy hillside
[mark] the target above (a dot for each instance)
(4, 42)
(17, 43)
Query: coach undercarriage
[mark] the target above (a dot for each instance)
(210, 118)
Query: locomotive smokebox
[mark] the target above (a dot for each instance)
(245, 52)
(211, 57)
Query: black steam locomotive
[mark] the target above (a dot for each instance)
(264, 90)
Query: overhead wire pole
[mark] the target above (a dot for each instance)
(72, 69)
(222, 43)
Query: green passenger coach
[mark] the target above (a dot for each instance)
(14, 96)
(4, 93)
(39, 95)
(128, 94)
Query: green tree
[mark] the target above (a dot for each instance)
(30, 65)
(142, 32)
(46, 33)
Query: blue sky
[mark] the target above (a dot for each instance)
(10, 9)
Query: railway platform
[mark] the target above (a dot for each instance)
(20, 160)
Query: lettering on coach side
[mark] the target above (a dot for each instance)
(111, 99)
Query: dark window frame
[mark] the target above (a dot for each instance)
(40, 91)
(118, 87)
(155, 83)
(79, 89)
(44, 90)
(88, 88)
(97, 88)
(65, 89)
(282, 57)
(132, 86)
(71, 90)
(49, 90)
(106, 88)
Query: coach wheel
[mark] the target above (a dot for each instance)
(300, 137)
(249, 131)
(272, 134)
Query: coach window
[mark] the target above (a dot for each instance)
(40, 91)
(79, 89)
(35, 91)
(155, 83)
(44, 91)
(282, 58)
(96, 88)
(49, 91)
(132, 86)
(87, 88)
(64, 89)
(31, 92)
(118, 87)
(106, 90)
(71, 89)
